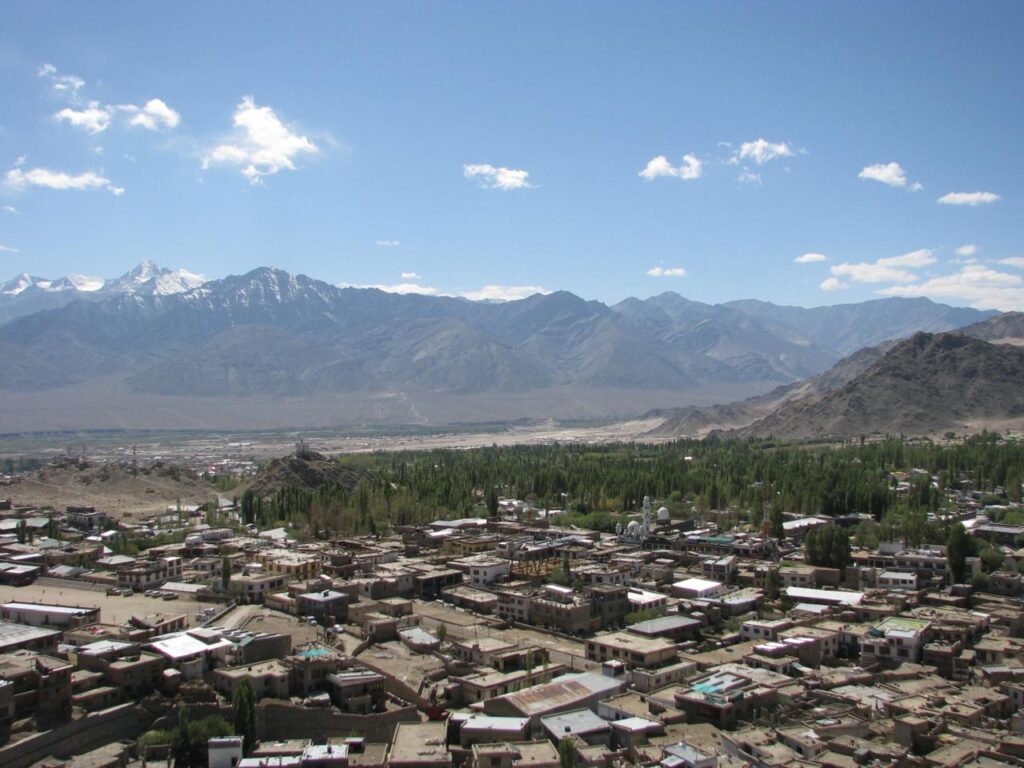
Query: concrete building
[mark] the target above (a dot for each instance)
(22, 637)
(419, 745)
(632, 649)
(42, 615)
(698, 589)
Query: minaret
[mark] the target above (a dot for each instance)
(646, 529)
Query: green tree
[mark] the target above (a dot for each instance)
(491, 501)
(442, 631)
(777, 519)
(772, 584)
(243, 705)
(225, 573)
(566, 753)
(958, 547)
(827, 546)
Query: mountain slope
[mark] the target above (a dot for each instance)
(26, 294)
(849, 327)
(928, 384)
(291, 338)
(694, 421)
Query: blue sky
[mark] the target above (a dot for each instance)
(465, 145)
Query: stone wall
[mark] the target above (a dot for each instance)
(278, 720)
(75, 737)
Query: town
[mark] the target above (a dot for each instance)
(683, 638)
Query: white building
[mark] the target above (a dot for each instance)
(697, 589)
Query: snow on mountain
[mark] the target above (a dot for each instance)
(25, 293)
(85, 283)
(19, 283)
(178, 281)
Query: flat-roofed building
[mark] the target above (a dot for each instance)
(357, 690)
(41, 683)
(471, 598)
(487, 729)
(721, 569)
(642, 600)
(676, 629)
(327, 605)
(825, 596)
(419, 745)
(727, 695)
(893, 641)
(560, 608)
(253, 587)
(18, 637)
(521, 754)
(898, 580)
(697, 589)
(762, 629)
(572, 691)
(269, 679)
(42, 615)
(484, 570)
(578, 723)
(634, 650)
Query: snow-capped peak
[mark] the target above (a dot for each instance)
(145, 279)
(178, 281)
(85, 282)
(17, 284)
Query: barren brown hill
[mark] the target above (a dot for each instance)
(699, 421)
(112, 488)
(929, 384)
(308, 471)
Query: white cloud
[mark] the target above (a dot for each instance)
(389, 243)
(44, 177)
(832, 284)
(981, 286)
(153, 115)
(969, 198)
(1013, 261)
(917, 186)
(919, 258)
(497, 178)
(761, 151)
(10, 209)
(410, 276)
(93, 118)
(263, 145)
(486, 293)
(887, 173)
(749, 177)
(7, 249)
(666, 272)
(967, 250)
(66, 84)
(810, 258)
(691, 168)
(503, 292)
(403, 288)
(893, 269)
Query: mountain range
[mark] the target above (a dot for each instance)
(162, 348)
(26, 294)
(958, 381)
